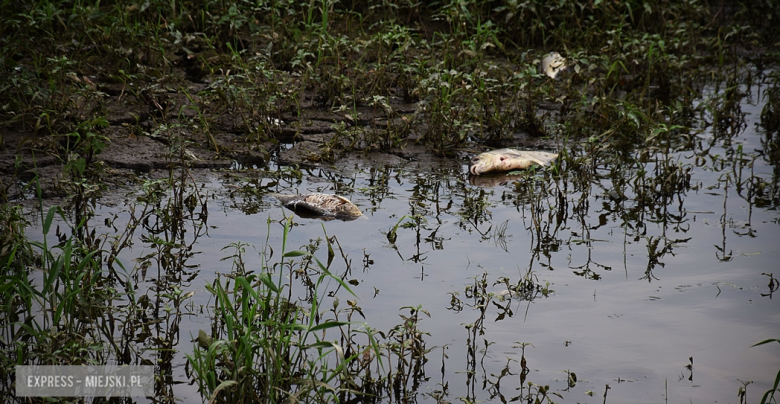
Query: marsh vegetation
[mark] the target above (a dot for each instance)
(141, 143)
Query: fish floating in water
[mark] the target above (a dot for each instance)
(323, 206)
(552, 64)
(508, 159)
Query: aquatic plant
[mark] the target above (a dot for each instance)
(56, 298)
(264, 346)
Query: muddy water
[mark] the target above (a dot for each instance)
(633, 297)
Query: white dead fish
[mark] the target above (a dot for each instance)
(324, 206)
(508, 159)
(552, 64)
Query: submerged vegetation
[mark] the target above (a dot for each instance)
(183, 85)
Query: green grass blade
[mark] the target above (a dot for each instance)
(328, 324)
(766, 341)
(49, 219)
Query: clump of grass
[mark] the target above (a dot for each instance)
(265, 346)
(54, 298)
(73, 302)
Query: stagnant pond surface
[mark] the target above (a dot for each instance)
(637, 288)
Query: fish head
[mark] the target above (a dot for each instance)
(352, 210)
(479, 164)
(350, 216)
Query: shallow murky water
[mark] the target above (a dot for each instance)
(639, 287)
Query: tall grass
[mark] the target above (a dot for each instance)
(266, 346)
(55, 298)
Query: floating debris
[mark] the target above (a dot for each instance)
(552, 64)
(322, 206)
(508, 159)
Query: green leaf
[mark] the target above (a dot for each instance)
(204, 340)
(49, 219)
(268, 282)
(766, 342)
(291, 254)
(328, 324)
(769, 396)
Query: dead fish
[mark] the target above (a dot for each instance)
(508, 159)
(324, 206)
(552, 64)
